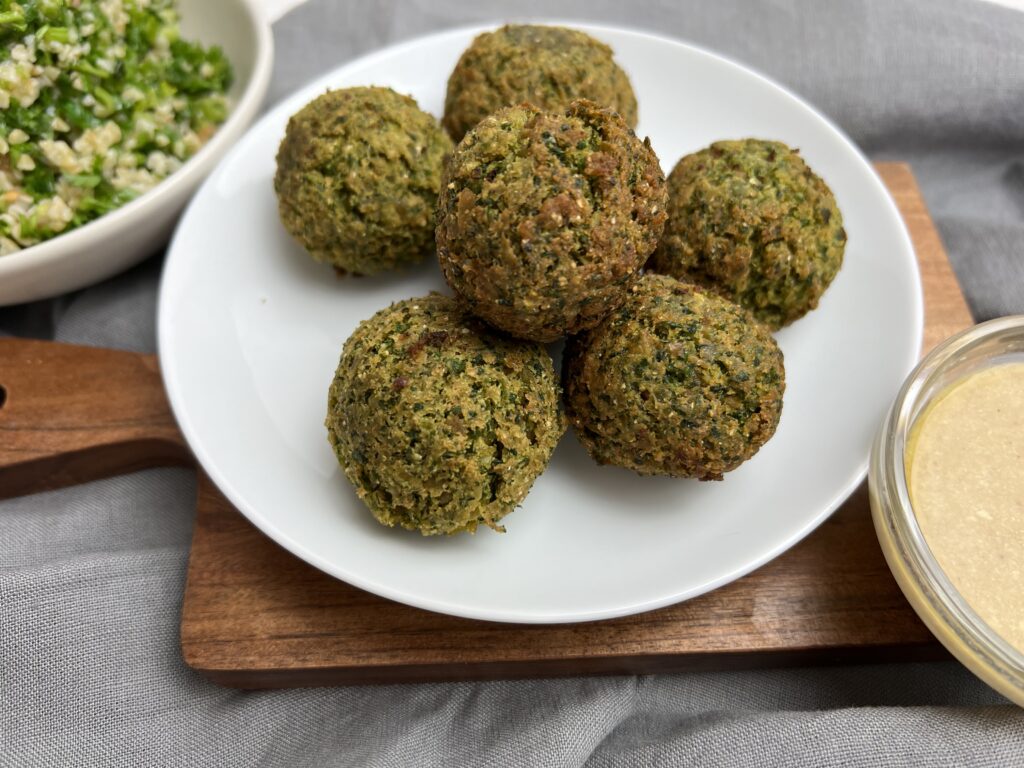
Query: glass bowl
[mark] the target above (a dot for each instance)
(916, 569)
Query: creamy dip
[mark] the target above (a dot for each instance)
(965, 468)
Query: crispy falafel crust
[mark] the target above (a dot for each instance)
(358, 173)
(548, 67)
(676, 381)
(750, 220)
(545, 218)
(440, 423)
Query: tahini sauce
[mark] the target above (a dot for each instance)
(965, 467)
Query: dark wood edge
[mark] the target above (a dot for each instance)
(308, 677)
(94, 463)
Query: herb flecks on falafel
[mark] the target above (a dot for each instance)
(358, 174)
(545, 218)
(548, 67)
(440, 423)
(750, 220)
(677, 381)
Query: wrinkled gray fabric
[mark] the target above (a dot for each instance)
(91, 577)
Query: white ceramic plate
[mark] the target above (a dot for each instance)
(250, 330)
(127, 235)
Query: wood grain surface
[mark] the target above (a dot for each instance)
(69, 414)
(255, 616)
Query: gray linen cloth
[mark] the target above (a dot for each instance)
(91, 577)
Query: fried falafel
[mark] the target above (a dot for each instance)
(677, 381)
(440, 423)
(750, 220)
(358, 173)
(548, 67)
(544, 218)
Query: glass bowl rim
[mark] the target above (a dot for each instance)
(888, 478)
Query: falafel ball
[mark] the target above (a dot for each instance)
(358, 173)
(677, 381)
(751, 221)
(548, 67)
(544, 218)
(440, 423)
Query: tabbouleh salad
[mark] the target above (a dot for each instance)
(99, 101)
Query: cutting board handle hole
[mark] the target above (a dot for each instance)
(3, 395)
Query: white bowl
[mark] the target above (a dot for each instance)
(124, 237)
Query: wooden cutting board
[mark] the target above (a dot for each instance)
(255, 616)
